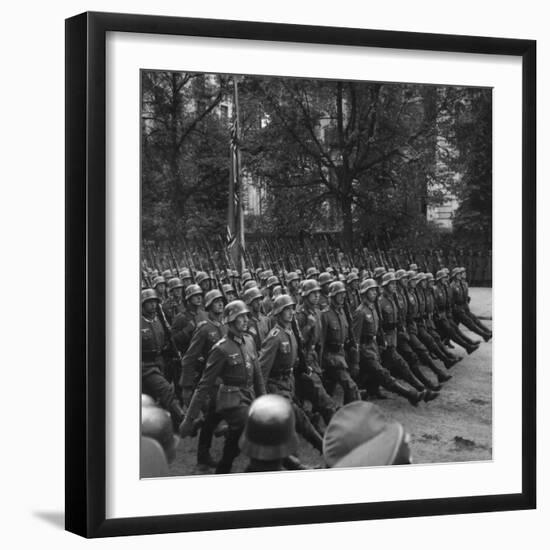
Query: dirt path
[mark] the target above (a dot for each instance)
(456, 427)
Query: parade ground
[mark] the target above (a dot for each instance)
(455, 427)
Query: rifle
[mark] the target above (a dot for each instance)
(176, 268)
(215, 270)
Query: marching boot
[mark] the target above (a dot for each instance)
(413, 396)
(430, 395)
(471, 349)
(442, 376)
(417, 371)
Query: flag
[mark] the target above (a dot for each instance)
(235, 214)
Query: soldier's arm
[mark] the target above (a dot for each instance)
(357, 325)
(213, 369)
(268, 353)
(190, 359)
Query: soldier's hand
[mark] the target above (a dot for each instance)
(186, 427)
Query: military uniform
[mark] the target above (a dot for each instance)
(461, 310)
(278, 358)
(172, 307)
(153, 381)
(312, 388)
(258, 328)
(396, 364)
(234, 361)
(335, 335)
(184, 325)
(324, 302)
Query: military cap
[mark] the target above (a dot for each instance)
(366, 284)
(269, 432)
(441, 274)
(413, 267)
(185, 274)
(228, 288)
(352, 277)
(251, 283)
(167, 274)
(325, 278)
(337, 287)
(359, 434)
(417, 276)
(387, 278)
(246, 276)
(455, 271)
(234, 309)
(268, 273)
(149, 294)
(429, 276)
(309, 286)
(158, 281)
(329, 269)
(251, 294)
(210, 296)
(355, 270)
(445, 269)
(272, 281)
(311, 272)
(192, 290)
(202, 276)
(174, 282)
(292, 276)
(399, 274)
(378, 272)
(411, 273)
(281, 302)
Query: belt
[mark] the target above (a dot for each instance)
(389, 326)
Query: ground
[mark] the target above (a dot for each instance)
(455, 427)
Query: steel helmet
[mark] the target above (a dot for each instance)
(228, 288)
(387, 278)
(429, 276)
(417, 276)
(441, 274)
(272, 281)
(292, 276)
(149, 294)
(455, 271)
(309, 286)
(251, 294)
(210, 296)
(246, 276)
(337, 287)
(251, 283)
(366, 284)
(234, 309)
(167, 274)
(270, 429)
(281, 302)
(353, 276)
(413, 267)
(192, 290)
(399, 274)
(201, 276)
(174, 282)
(325, 278)
(378, 272)
(311, 272)
(158, 281)
(147, 401)
(185, 274)
(156, 423)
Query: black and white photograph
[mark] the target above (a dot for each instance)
(316, 273)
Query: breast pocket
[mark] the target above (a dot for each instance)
(228, 397)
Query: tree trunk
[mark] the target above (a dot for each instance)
(347, 222)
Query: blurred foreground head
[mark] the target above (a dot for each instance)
(359, 435)
(269, 433)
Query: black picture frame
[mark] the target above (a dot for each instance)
(86, 285)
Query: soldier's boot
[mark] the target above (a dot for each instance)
(465, 337)
(230, 452)
(413, 396)
(430, 395)
(448, 359)
(417, 371)
(442, 376)
(204, 458)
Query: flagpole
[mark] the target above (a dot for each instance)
(240, 215)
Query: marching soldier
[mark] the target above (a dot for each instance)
(174, 305)
(391, 319)
(258, 323)
(467, 311)
(335, 340)
(153, 340)
(460, 301)
(278, 358)
(441, 315)
(293, 283)
(205, 336)
(185, 323)
(325, 279)
(234, 361)
(204, 280)
(366, 326)
(267, 303)
(159, 285)
(352, 283)
(309, 322)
